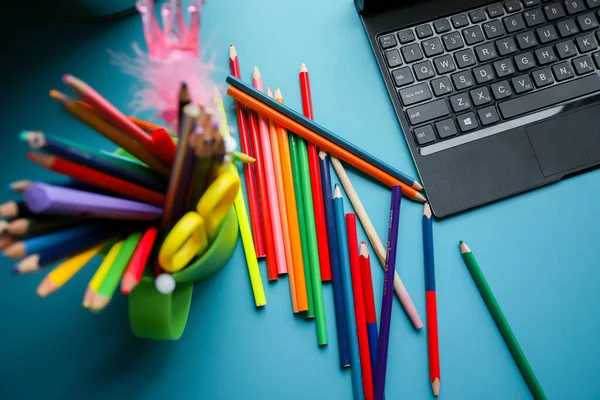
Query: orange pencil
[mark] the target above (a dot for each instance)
(276, 151)
(292, 215)
(323, 143)
(145, 125)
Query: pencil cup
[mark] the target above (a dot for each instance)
(163, 316)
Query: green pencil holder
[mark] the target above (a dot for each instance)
(154, 315)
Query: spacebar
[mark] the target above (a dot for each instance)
(548, 97)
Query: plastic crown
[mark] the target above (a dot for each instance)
(175, 42)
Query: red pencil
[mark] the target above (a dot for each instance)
(98, 179)
(138, 261)
(249, 169)
(315, 180)
(263, 198)
(359, 308)
(369, 302)
(163, 140)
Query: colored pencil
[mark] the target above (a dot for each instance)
(336, 268)
(145, 125)
(312, 126)
(243, 158)
(101, 273)
(281, 197)
(137, 264)
(261, 183)
(359, 307)
(56, 200)
(115, 117)
(163, 140)
(6, 240)
(204, 146)
(97, 178)
(293, 144)
(113, 277)
(66, 270)
(369, 301)
(15, 209)
(135, 165)
(243, 220)
(315, 179)
(184, 99)
(380, 251)
(431, 302)
(88, 157)
(31, 227)
(386, 302)
(507, 334)
(110, 132)
(249, 170)
(269, 169)
(342, 235)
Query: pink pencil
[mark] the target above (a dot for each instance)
(269, 167)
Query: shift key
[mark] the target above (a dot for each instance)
(427, 112)
(415, 94)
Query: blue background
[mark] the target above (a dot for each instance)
(537, 250)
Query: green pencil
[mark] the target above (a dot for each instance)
(313, 249)
(502, 323)
(111, 281)
(310, 313)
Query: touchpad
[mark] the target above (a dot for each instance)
(567, 142)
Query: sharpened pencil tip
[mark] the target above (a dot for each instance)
(303, 68)
(435, 386)
(269, 92)
(364, 251)
(419, 197)
(66, 78)
(278, 95)
(256, 73)
(464, 248)
(232, 52)
(322, 154)
(337, 193)
(417, 186)
(427, 210)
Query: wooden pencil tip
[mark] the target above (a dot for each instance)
(364, 251)
(17, 227)
(29, 264)
(46, 287)
(19, 186)
(464, 248)
(184, 93)
(278, 94)
(232, 52)
(337, 193)
(256, 73)
(269, 92)
(60, 96)
(417, 186)
(420, 198)
(66, 78)
(128, 283)
(303, 68)
(15, 250)
(427, 210)
(435, 385)
(3, 226)
(99, 303)
(322, 154)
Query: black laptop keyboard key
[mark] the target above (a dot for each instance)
(441, 86)
(542, 77)
(583, 65)
(446, 128)
(480, 96)
(459, 21)
(483, 74)
(496, 10)
(387, 41)
(586, 43)
(554, 11)
(473, 35)
(533, 17)
(524, 61)
(545, 55)
(546, 34)
(442, 26)
(465, 58)
(593, 3)
(574, 6)
(504, 67)
(486, 52)
(488, 115)
(563, 71)
(596, 57)
(467, 122)
(531, 3)
(493, 29)
(452, 41)
(501, 90)
(393, 58)
(566, 49)
(587, 22)
(403, 76)
(444, 64)
(526, 40)
(550, 96)
(506, 46)
(432, 47)
(512, 6)
(424, 31)
(423, 70)
(567, 28)
(415, 94)
(477, 16)
(424, 135)
(522, 84)
(412, 53)
(428, 112)
(460, 102)
(514, 23)
(406, 36)
(462, 80)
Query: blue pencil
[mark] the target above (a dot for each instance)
(342, 235)
(334, 260)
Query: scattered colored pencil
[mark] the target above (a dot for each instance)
(369, 301)
(359, 307)
(163, 140)
(509, 337)
(315, 179)
(292, 213)
(101, 273)
(145, 125)
(309, 125)
(297, 176)
(380, 251)
(249, 170)
(243, 158)
(342, 235)
(66, 270)
(135, 269)
(285, 225)
(269, 169)
(386, 302)
(431, 302)
(31, 227)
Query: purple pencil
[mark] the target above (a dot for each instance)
(388, 294)
(49, 199)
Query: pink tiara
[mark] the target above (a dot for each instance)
(175, 42)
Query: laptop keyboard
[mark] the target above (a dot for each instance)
(483, 67)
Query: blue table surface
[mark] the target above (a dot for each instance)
(537, 250)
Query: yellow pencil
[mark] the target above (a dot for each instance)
(101, 273)
(243, 221)
(66, 270)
